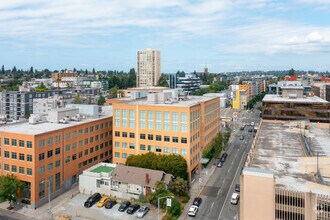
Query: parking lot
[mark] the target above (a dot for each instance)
(75, 208)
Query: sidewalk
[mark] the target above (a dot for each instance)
(57, 205)
(197, 187)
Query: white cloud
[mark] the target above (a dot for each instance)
(232, 25)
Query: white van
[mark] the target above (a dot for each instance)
(234, 198)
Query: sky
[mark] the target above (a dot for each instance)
(224, 35)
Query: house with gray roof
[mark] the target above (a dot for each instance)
(121, 181)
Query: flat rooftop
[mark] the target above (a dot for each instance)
(278, 149)
(191, 101)
(103, 169)
(280, 99)
(44, 127)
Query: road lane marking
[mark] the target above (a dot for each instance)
(212, 205)
(231, 185)
(219, 191)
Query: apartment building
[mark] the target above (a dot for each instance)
(48, 153)
(16, 104)
(322, 90)
(58, 75)
(43, 106)
(286, 174)
(148, 68)
(248, 88)
(166, 123)
(240, 99)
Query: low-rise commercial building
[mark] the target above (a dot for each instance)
(286, 174)
(166, 123)
(121, 181)
(277, 88)
(293, 105)
(49, 152)
(190, 83)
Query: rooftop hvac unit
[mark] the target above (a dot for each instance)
(169, 101)
(77, 117)
(64, 120)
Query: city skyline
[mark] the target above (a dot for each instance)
(224, 35)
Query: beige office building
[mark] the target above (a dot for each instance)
(166, 123)
(148, 67)
(287, 173)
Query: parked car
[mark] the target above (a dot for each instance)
(250, 130)
(252, 123)
(193, 211)
(142, 211)
(247, 124)
(123, 206)
(220, 164)
(242, 137)
(237, 187)
(242, 128)
(244, 124)
(197, 201)
(110, 204)
(132, 208)
(92, 200)
(234, 198)
(102, 202)
(224, 155)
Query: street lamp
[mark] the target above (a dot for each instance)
(159, 198)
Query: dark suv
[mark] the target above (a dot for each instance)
(197, 201)
(92, 200)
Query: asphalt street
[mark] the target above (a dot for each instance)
(218, 190)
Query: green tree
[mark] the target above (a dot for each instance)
(31, 69)
(160, 191)
(181, 74)
(77, 99)
(132, 78)
(9, 187)
(172, 164)
(93, 71)
(163, 81)
(89, 100)
(113, 92)
(291, 72)
(41, 88)
(179, 187)
(3, 71)
(101, 100)
(175, 208)
(14, 70)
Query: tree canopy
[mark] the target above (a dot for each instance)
(101, 100)
(9, 187)
(163, 81)
(172, 164)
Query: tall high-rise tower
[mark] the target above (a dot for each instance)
(148, 67)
